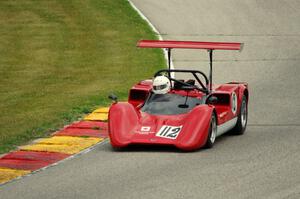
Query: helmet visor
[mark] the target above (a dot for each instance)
(160, 87)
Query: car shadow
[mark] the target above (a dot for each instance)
(147, 148)
(164, 148)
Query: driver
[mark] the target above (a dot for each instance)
(161, 85)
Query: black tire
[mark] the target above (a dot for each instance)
(242, 120)
(211, 138)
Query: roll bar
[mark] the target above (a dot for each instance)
(195, 74)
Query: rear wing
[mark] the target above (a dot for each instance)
(190, 45)
(210, 46)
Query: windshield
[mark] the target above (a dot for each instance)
(169, 104)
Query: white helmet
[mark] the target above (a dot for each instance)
(161, 85)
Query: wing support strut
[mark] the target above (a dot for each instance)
(169, 60)
(210, 68)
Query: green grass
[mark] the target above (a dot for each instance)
(61, 59)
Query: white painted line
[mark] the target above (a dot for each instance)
(154, 30)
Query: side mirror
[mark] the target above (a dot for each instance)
(212, 100)
(113, 97)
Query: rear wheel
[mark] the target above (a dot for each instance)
(211, 138)
(241, 124)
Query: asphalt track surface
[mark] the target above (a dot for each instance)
(263, 163)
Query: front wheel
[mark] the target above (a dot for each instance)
(241, 124)
(211, 138)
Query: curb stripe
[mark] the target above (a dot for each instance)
(88, 125)
(54, 148)
(98, 114)
(97, 117)
(62, 144)
(23, 164)
(102, 110)
(9, 174)
(68, 140)
(82, 133)
(33, 155)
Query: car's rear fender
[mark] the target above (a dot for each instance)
(242, 91)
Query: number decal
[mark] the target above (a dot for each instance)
(174, 132)
(170, 132)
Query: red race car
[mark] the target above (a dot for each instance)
(188, 114)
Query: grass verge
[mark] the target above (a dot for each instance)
(60, 59)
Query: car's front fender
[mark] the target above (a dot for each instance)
(122, 119)
(195, 128)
